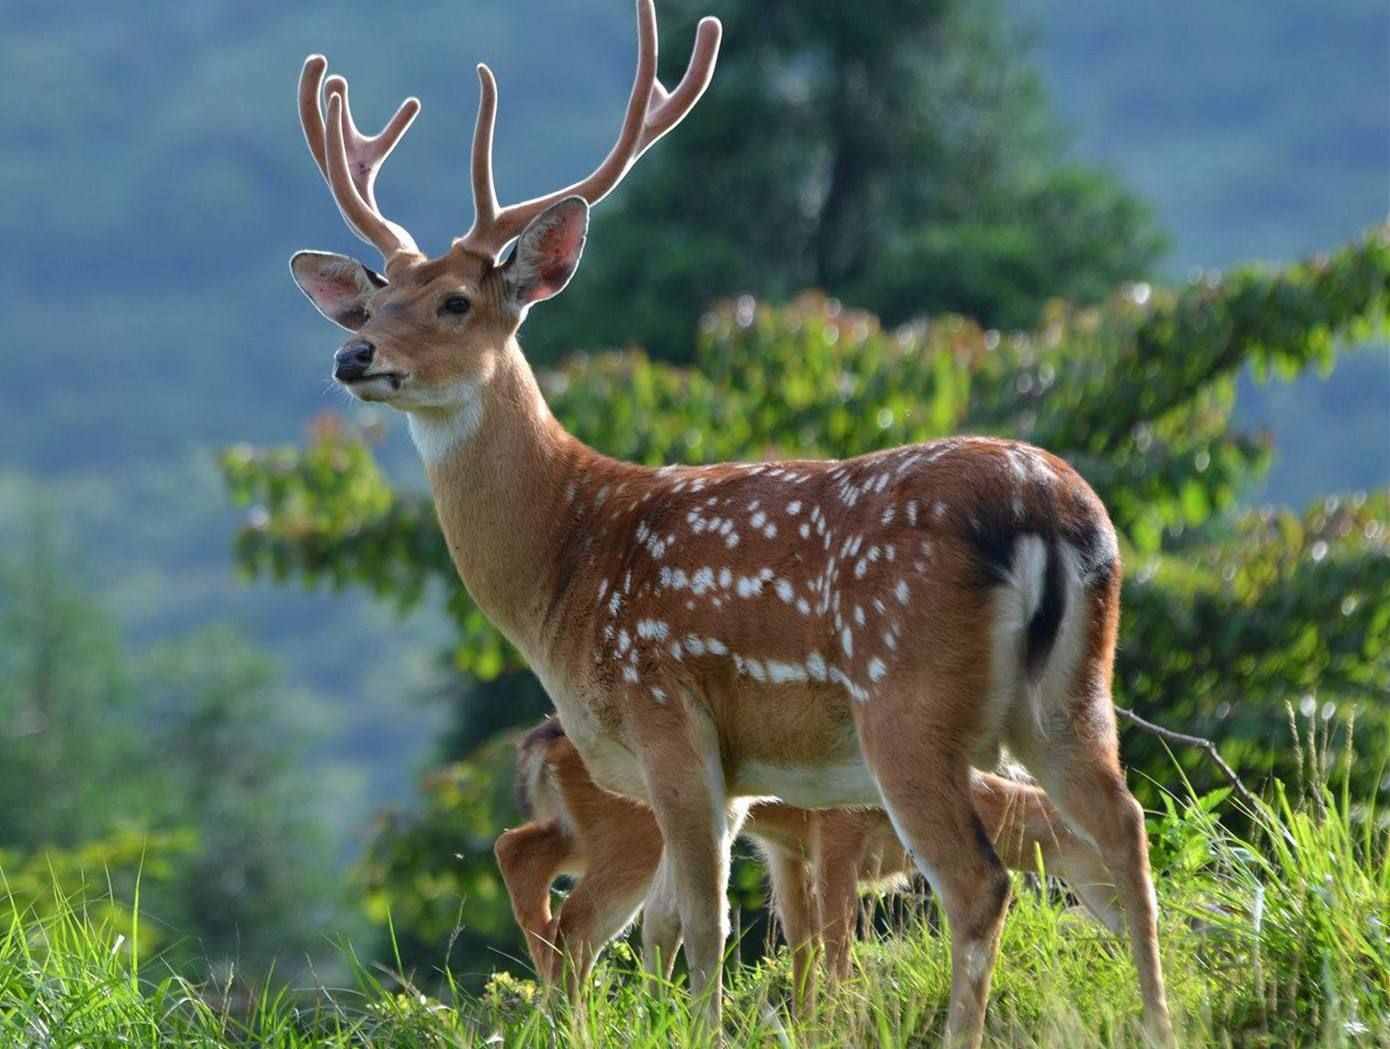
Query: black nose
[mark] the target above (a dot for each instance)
(353, 360)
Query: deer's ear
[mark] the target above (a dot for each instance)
(547, 252)
(337, 285)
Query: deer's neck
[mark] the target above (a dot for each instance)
(499, 466)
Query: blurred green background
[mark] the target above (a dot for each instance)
(263, 745)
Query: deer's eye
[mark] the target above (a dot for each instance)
(457, 305)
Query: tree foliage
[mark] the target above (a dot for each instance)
(899, 153)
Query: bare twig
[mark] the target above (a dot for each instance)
(1202, 744)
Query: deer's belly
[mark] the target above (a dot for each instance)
(806, 786)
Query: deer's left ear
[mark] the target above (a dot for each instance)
(337, 285)
(547, 252)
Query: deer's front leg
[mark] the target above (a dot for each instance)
(530, 856)
(661, 922)
(792, 895)
(679, 753)
(838, 844)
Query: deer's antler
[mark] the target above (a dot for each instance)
(651, 112)
(349, 160)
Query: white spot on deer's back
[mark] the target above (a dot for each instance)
(652, 629)
(780, 673)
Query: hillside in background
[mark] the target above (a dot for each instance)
(1258, 132)
(154, 184)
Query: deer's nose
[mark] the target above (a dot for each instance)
(353, 360)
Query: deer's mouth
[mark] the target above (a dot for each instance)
(392, 380)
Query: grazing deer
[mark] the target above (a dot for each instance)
(816, 859)
(829, 633)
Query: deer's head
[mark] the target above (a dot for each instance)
(429, 333)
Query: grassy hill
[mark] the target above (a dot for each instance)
(1273, 940)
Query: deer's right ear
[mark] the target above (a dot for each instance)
(337, 285)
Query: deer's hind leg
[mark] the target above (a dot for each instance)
(1073, 749)
(923, 774)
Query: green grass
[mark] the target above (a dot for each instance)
(1277, 938)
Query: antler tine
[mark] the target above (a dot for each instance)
(364, 219)
(366, 154)
(310, 117)
(484, 190)
(651, 113)
(668, 108)
(358, 157)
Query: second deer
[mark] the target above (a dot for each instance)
(817, 861)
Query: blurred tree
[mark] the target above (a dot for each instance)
(900, 154)
(261, 888)
(183, 768)
(1227, 618)
(67, 702)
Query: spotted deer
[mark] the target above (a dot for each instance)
(817, 860)
(827, 633)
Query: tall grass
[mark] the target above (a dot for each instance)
(1279, 936)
